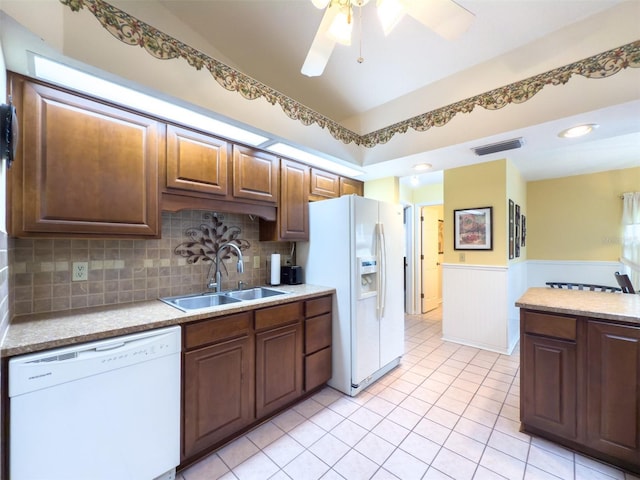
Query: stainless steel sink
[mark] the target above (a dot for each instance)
(255, 293)
(200, 301)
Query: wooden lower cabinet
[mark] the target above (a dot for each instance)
(217, 393)
(239, 369)
(278, 368)
(217, 379)
(580, 385)
(613, 390)
(317, 342)
(549, 390)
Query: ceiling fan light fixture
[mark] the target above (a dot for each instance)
(341, 26)
(390, 12)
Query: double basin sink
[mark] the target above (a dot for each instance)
(200, 301)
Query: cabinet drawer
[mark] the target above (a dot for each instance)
(279, 315)
(549, 325)
(317, 306)
(317, 369)
(317, 333)
(216, 329)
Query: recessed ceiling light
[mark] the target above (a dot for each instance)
(422, 166)
(578, 130)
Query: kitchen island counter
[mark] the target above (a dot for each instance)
(602, 305)
(580, 371)
(36, 332)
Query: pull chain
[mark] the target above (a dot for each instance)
(360, 58)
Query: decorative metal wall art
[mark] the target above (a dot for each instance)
(132, 31)
(206, 239)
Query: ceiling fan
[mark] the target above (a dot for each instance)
(445, 17)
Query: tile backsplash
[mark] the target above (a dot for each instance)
(124, 271)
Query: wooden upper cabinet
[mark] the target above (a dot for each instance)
(349, 186)
(84, 168)
(196, 162)
(292, 221)
(324, 184)
(255, 175)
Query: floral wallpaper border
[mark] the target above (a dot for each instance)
(132, 31)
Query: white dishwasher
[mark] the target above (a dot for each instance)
(108, 409)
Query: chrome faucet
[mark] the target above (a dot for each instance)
(217, 283)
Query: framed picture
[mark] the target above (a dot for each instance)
(517, 224)
(511, 229)
(524, 231)
(473, 229)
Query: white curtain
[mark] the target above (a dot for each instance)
(631, 236)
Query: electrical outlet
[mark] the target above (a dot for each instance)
(256, 261)
(462, 257)
(80, 271)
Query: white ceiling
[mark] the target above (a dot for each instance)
(413, 71)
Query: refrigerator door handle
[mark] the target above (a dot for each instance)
(382, 281)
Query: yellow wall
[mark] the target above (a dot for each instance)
(578, 217)
(481, 185)
(516, 191)
(384, 189)
(432, 194)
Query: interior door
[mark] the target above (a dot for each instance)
(430, 265)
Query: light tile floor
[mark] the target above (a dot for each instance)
(448, 411)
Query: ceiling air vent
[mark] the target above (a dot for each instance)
(499, 147)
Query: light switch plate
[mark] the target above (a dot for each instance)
(256, 261)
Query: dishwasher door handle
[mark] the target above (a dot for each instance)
(105, 348)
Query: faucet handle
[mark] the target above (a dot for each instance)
(240, 284)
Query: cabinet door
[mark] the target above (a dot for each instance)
(613, 386)
(292, 222)
(255, 175)
(549, 385)
(278, 368)
(87, 168)
(196, 162)
(293, 208)
(217, 393)
(324, 184)
(348, 186)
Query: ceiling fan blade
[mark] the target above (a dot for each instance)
(321, 48)
(445, 17)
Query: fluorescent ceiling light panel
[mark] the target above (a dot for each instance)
(311, 159)
(84, 82)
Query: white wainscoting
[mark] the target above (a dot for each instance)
(478, 301)
(476, 309)
(599, 273)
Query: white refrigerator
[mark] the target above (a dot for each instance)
(356, 245)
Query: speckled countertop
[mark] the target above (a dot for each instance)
(32, 333)
(619, 307)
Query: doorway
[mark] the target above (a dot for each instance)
(431, 254)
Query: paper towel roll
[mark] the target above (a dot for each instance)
(275, 269)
